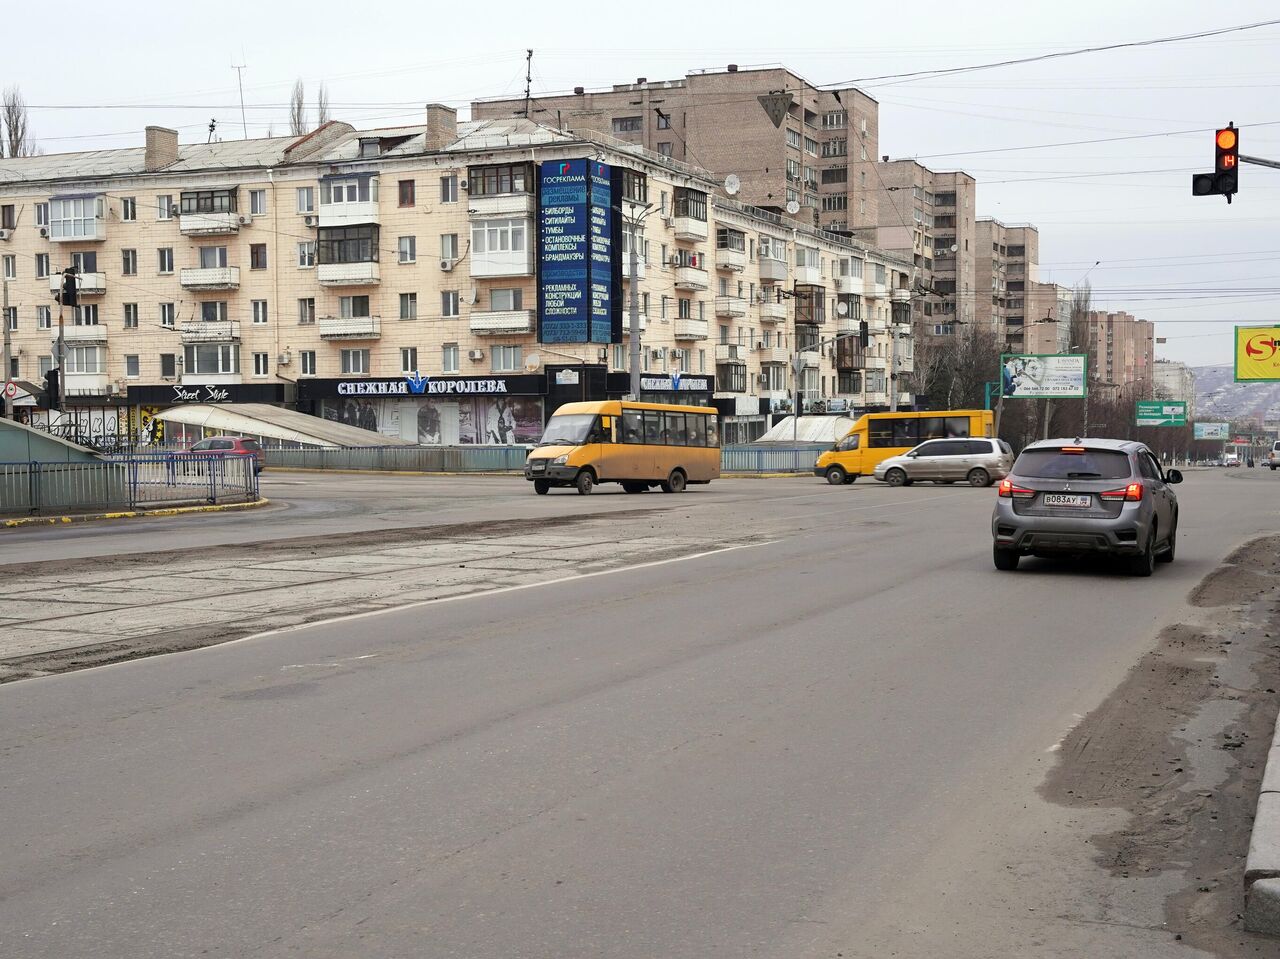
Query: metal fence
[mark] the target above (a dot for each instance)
(762, 458)
(127, 482)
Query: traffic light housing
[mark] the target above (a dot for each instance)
(70, 295)
(1225, 178)
(864, 334)
(51, 388)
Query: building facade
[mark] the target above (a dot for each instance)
(1122, 352)
(389, 279)
(1173, 380)
(1007, 262)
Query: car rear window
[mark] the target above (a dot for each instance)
(1088, 464)
(250, 444)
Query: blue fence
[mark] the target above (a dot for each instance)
(127, 482)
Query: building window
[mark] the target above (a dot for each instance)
(307, 310)
(167, 313)
(86, 262)
(258, 202)
(406, 192)
(259, 312)
(793, 138)
(835, 174)
(449, 303)
(86, 315)
(500, 300)
(213, 257)
(131, 366)
(257, 256)
(306, 199)
(355, 362)
(11, 267)
(684, 308)
(11, 318)
(848, 381)
(449, 357)
(665, 148)
(86, 359)
(308, 360)
(75, 217)
(635, 186)
(448, 189)
(168, 365)
(409, 307)
(408, 359)
(260, 367)
(504, 359)
(408, 249)
(835, 148)
(42, 265)
(448, 246)
(727, 239)
(128, 208)
(44, 365)
(361, 189)
(352, 306)
(834, 119)
(691, 203)
(664, 121)
(42, 214)
(731, 377)
(44, 317)
(164, 206)
(213, 311)
(208, 201)
(499, 179)
(131, 316)
(211, 358)
(835, 201)
(129, 262)
(498, 236)
(306, 254)
(348, 244)
(164, 259)
(629, 124)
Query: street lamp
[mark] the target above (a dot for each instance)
(633, 274)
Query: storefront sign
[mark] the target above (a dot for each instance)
(567, 378)
(418, 385)
(169, 394)
(675, 383)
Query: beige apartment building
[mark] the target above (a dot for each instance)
(715, 120)
(1121, 352)
(1173, 380)
(1007, 263)
(388, 279)
(1047, 326)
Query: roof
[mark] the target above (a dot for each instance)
(505, 132)
(101, 164)
(277, 423)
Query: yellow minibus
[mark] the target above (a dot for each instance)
(640, 445)
(877, 436)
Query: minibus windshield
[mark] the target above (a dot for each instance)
(567, 429)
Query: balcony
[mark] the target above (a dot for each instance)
(876, 291)
(356, 213)
(505, 322)
(735, 261)
(626, 268)
(210, 278)
(773, 312)
(691, 278)
(626, 321)
(88, 284)
(348, 274)
(87, 384)
(808, 276)
(349, 327)
(811, 358)
(211, 224)
(731, 306)
(689, 329)
(83, 335)
(503, 263)
(210, 331)
(848, 285)
(503, 204)
(731, 353)
(689, 229)
(772, 271)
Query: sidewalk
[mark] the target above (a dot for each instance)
(127, 514)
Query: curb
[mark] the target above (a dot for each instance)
(490, 473)
(130, 514)
(1262, 867)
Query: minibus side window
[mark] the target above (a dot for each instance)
(632, 427)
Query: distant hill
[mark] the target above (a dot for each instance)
(1219, 397)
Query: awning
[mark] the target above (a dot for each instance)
(275, 423)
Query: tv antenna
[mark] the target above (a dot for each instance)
(240, 83)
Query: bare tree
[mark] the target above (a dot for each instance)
(298, 109)
(322, 106)
(18, 141)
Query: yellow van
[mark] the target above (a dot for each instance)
(877, 436)
(640, 445)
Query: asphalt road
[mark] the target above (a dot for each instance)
(796, 748)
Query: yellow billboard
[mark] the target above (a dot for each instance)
(1257, 353)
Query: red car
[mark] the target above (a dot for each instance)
(229, 445)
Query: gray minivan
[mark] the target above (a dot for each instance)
(973, 460)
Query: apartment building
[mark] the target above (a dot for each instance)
(1047, 328)
(715, 120)
(1121, 352)
(928, 218)
(389, 279)
(1007, 261)
(1173, 380)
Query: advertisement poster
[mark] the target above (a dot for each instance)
(564, 306)
(1041, 375)
(1257, 354)
(1212, 431)
(461, 421)
(1161, 413)
(602, 253)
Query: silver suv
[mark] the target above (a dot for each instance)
(1087, 496)
(978, 462)
(1273, 457)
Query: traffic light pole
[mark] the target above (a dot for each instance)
(1258, 161)
(6, 409)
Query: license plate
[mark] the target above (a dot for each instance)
(1068, 499)
(537, 466)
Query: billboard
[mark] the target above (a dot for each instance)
(1257, 354)
(1161, 413)
(1211, 431)
(579, 253)
(1037, 375)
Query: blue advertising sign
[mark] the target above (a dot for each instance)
(564, 306)
(602, 215)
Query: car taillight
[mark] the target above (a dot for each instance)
(1132, 492)
(1009, 491)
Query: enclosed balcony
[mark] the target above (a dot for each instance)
(87, 284)
(691, 278)
(731, 353)
(504, 322)
(772, 312)
(689, 229)
(773, 271)
(734, 261)
(348, 200)
(501, 204)
(89, 333)
(731, 306)
(772, 354)
(626, 321)
(212, 224)
(626, 267)
(210, 331)
(848, 285)
(210, 278)
(808, 275)
(348, 274)
(689, 329)
(349, 327)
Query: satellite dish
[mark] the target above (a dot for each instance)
(472, 295)
(533, 362)
(732, 184)
(842, 308)
(954, 247)
(793, 207)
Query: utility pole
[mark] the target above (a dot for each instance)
(6, 411)
(633, 318)
(71, 293)
(240, 83)
(528, 81)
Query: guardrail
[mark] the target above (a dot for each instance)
(127, 482)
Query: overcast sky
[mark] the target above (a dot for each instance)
(1194, 265)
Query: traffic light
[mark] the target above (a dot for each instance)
(51, 388)
(70, 295)
(1225, 178)
(864, 334)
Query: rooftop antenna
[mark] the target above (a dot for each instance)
(528, 80)
(240, 83)
(213, 126)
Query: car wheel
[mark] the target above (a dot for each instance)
(836, 476)
(979, 477)
(585, 483)
(1005, 559)
(1144, 564)
(541, 487)
(674, 483)
(896, 477)
(1171, 548)
(851, 479)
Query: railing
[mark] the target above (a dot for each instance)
(127, 482)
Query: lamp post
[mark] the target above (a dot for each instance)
(633, 275)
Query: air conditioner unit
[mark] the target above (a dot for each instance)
(173, 210)
(674, 260)
(763, 378)
(44, 232)
(602, 354)
(284, 359)
(245, 220)
(309, 220)
(446, 265)
(656, 354)
(4, 234)
(464, 184)
(476, 355)
(760, 345)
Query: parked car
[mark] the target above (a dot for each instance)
(1099, 496)
(225, 446)
(1231, 459)
(1273, 457)
(978, 462)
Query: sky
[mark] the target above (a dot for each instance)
(1196, 266)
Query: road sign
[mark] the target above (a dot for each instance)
(1161, 413)
(10, 390)
(1212, 431)
(776, 106)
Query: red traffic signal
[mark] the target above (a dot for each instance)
(1227, 146)
(1225, 180)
